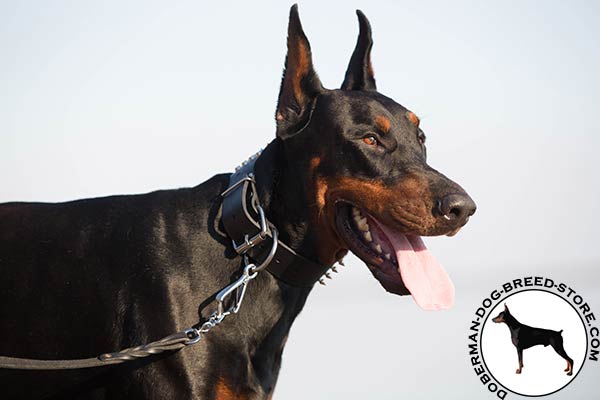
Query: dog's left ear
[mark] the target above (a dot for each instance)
(359, 75)
(505, 307)
(300, 84)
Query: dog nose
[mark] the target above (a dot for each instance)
(456, 208)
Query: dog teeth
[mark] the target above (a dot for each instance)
(360, 220)
(362, 224)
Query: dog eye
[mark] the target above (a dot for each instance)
(421, 137)
(371, 140)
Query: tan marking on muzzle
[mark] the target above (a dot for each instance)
(407, 203)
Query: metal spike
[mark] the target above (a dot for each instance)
(322, 282)
(341, 262)
(328, 275)
(334, 269)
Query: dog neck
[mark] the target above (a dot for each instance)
(511, 321)
(284, 194)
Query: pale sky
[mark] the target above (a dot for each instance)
(100, 98)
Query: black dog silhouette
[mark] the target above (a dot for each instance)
(524, 337)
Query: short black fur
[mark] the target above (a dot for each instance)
(91, 276)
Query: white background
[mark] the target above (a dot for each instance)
(99, 98)
(542, 371)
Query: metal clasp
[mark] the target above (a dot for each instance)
(239, 287)
(193, 336)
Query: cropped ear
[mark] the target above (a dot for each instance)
(359, 75)
(300, 84)
(506, 307)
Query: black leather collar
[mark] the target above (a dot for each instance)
(241, 219)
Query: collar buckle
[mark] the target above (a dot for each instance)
(257, 239)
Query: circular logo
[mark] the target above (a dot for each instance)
(531, 336)
(534, 343)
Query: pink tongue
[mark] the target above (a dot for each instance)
(425, 278)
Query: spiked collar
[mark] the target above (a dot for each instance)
(253, 235)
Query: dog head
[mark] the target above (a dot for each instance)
(502, 317)
(363, 158)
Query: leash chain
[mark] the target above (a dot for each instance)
(192, 335)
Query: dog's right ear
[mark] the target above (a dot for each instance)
(300, 84)
(506, 308)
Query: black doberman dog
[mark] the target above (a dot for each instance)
(346, 171)
(524, 337)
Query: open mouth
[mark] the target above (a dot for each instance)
(399, 261)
